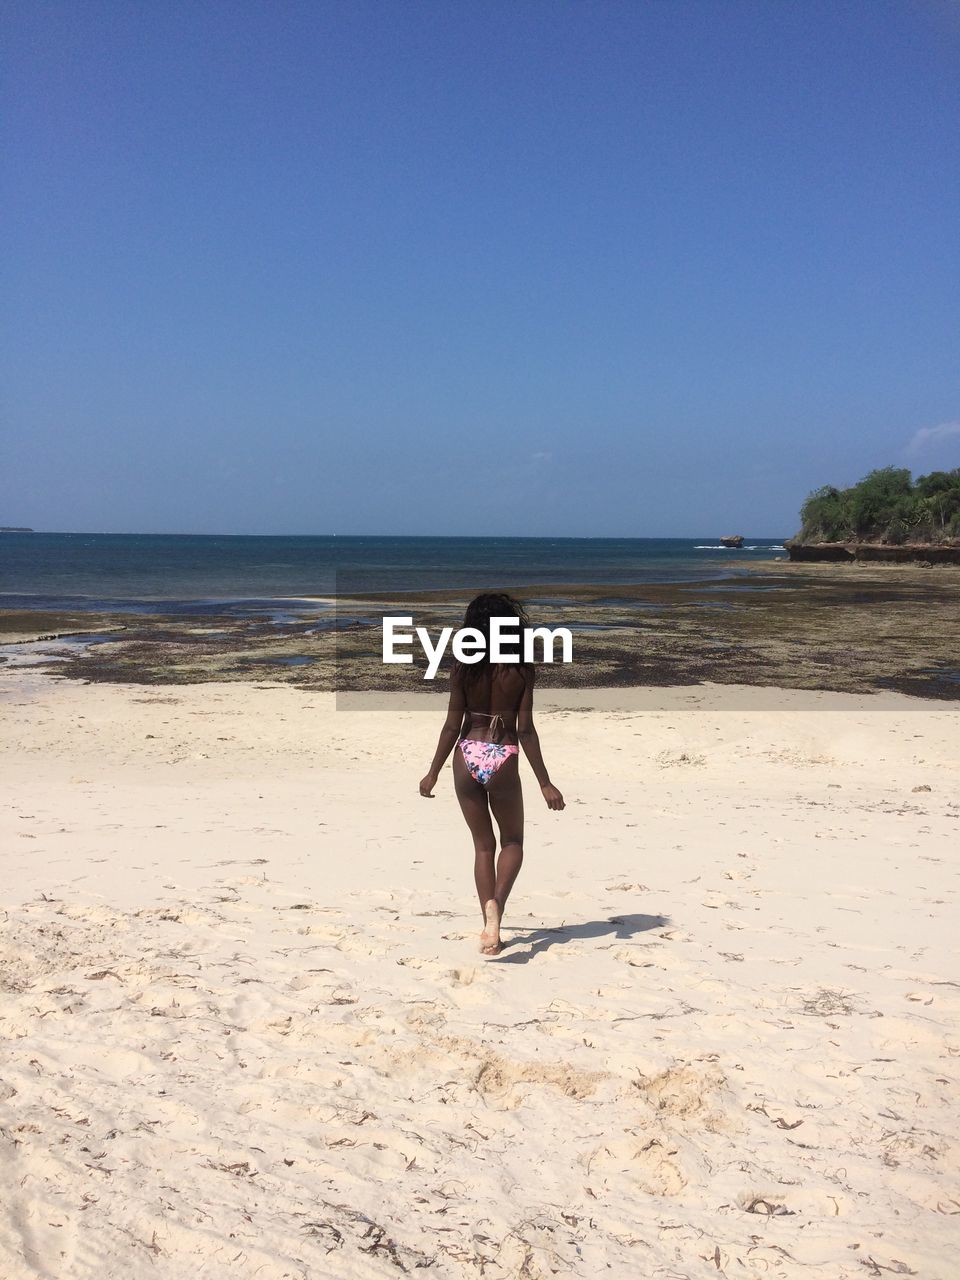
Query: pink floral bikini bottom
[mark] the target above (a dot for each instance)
(483, 759)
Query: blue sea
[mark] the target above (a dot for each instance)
(186, 573)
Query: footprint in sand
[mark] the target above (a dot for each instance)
(647, 1164)
(684, 1093)
(498, 1080)
(463, 977)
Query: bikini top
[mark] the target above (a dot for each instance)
(495, 718)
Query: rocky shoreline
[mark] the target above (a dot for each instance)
(922, 553)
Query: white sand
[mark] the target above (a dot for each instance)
(246, 1031)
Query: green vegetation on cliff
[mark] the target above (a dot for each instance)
(887, 506)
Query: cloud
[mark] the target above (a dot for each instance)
(541, 456)
(928, 436)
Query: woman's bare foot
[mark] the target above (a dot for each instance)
(490, 944)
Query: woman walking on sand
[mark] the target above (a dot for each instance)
(489, 717)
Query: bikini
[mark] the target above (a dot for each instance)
(483, 759)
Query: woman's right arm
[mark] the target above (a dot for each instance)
(448, 734)
(530, 741)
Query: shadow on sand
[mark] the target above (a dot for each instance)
(615, 927)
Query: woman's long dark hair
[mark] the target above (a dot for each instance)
(491, 604)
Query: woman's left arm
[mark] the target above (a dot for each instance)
(448, 734)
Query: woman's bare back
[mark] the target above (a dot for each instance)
(492, 703)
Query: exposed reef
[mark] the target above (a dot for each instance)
(849, 627)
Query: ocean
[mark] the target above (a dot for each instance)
(138, 572)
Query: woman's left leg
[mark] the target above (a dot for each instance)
(506, 803)
(476, 811)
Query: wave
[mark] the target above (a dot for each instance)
(755, 546)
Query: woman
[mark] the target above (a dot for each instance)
(489, 717)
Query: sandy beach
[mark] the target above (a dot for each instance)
(352, 344)
(246, 1030)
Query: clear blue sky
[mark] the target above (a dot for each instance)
(652, 268)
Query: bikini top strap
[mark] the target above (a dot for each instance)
(496, 722)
